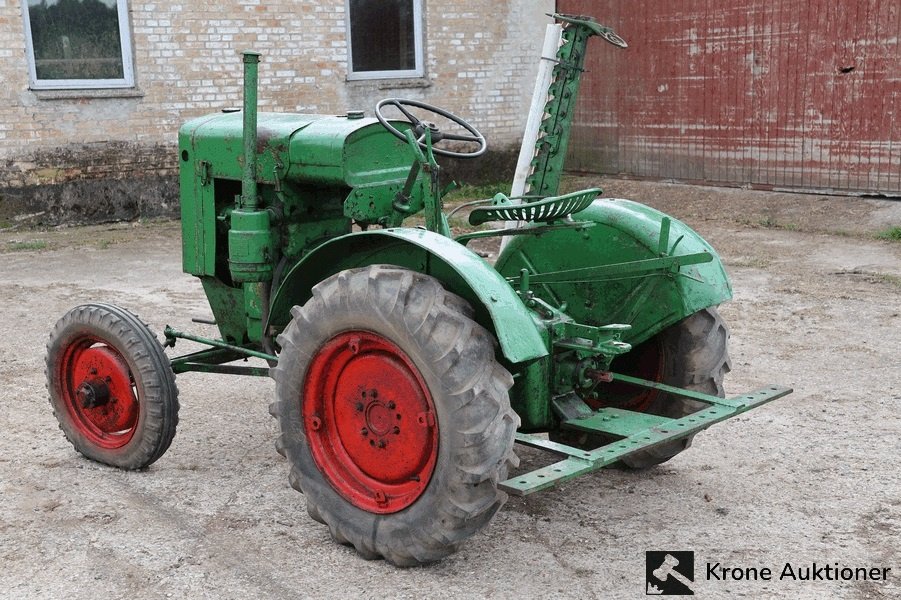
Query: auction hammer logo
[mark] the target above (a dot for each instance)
(670, 573)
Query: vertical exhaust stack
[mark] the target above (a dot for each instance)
(251, 241)
(249, 179)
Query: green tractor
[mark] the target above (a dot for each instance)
(406, 366)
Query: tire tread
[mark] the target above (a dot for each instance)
(461, 354)
(134, 339)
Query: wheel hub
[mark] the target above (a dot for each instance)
(92, 394)
(381, 417)
(97, 386)
(424, 126)
(370, 422)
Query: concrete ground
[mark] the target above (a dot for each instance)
(814, 477)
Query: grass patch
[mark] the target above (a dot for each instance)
(459, 224)
(754, 262)
(892, 234)
(769, 222)
(465, 193)
(891, 280)
(25, 246)
(871, 277)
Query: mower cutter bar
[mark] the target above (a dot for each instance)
(638, 430)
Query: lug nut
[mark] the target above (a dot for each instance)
(364, 431)
(391, 405)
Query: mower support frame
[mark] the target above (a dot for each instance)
(638, 431)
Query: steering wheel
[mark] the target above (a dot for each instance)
(421, 125)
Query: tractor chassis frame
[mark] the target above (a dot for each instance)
(213, 359)
(634, 431)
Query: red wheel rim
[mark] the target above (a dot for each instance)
(645, 361)
(370, 422)
(98, 392)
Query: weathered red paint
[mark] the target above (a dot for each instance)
(370, 422)
(96, 383)
(802, 94)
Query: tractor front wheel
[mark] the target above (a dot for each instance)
(111, 387)
(394, 414)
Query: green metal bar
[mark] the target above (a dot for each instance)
(402, 199)
(624, 269)
(716, 400)
(211, 361)
(223, 369)
(663, 240)
(466, 237)
(597, 340)
(173, 334)
(616, 421)
(528, 439)
(673, 429)
(249, 177)
(210, 356)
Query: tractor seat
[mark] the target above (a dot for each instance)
(543, 210)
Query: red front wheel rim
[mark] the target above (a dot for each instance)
(98, 392)
(370, 422)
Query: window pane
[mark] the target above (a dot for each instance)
(381, 35)
(76, 39)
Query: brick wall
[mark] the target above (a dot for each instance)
(480, 63)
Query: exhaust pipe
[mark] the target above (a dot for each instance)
(249, 178)
(251, 240)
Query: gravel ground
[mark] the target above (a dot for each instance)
(814, 477)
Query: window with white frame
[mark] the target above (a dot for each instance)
(78, 44)
(384, 39)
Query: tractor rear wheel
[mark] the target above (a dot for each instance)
(111, 387)
(394, 414)
(692, 354)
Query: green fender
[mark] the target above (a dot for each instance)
(461, 271)
(623, 231)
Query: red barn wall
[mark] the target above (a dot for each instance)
(802, 94)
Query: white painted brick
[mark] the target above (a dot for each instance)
(187, 63)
